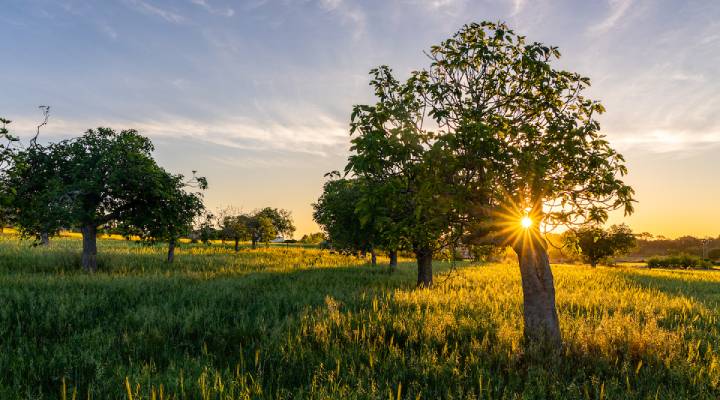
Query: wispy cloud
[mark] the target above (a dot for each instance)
(226, 12)
(349, 15)
(618, 9)
(150, 9)
(518, 6)
(321, 137)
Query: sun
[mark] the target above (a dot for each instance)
(526, 222)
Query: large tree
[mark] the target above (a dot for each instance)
(491, 141)
(498, 98)
(101, 178)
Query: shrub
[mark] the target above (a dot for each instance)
(685, 261)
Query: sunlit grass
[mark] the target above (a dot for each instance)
(304, 323)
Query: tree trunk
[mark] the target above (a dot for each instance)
(424, 261)
(373, 257)
(541, 320)
(44, 239)
(254, 242)
(171, 251)
(89, 254)
(393, 258)
(237, 244)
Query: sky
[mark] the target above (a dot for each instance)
(256, 95)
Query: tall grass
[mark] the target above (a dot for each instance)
(303, 323)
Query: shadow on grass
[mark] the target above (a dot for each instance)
(706, 292)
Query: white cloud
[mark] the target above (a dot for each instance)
(321, 136)
(618, 9)
(667, 141)
(150, 9)
(349, 15)
(226, 12)
(518, 6)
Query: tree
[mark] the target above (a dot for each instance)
(401, 164)
(515, 146)
(498, 99)
(353, 217)
(261, 228)
(206, 228)
(597, 244)
(335, 213)
(7, 153)
(100, 178)
(169, 210)
(280, 219)
(234, 226)
(313, 238)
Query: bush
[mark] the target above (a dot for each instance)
(685, 261)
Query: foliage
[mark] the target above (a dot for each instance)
(305, 323)
(7, 152)
(41, 200)
(280, 219)
(169, 209)
(597, 244)
(98, 178)
(313, 238)
(684, 261)
(336, 213)
(261, 229)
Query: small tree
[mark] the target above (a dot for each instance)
(402, 167)
(234, 227)
(596, 244)
(169, 210)
(280, 219)
(313, 238)
(261, 228)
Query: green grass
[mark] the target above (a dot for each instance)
(303, 323)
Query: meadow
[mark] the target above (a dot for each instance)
(291, 322)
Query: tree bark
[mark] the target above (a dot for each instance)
(393, 258)
(44, 239)
(542, 327)
(254, 242)
(424, 261)
(89, 254)
(171, 251)
(237, 244)
(373, 257)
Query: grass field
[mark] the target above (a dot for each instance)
(303, 323)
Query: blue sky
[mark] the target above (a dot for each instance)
(256, 94)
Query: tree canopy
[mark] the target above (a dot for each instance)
(596, 244)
